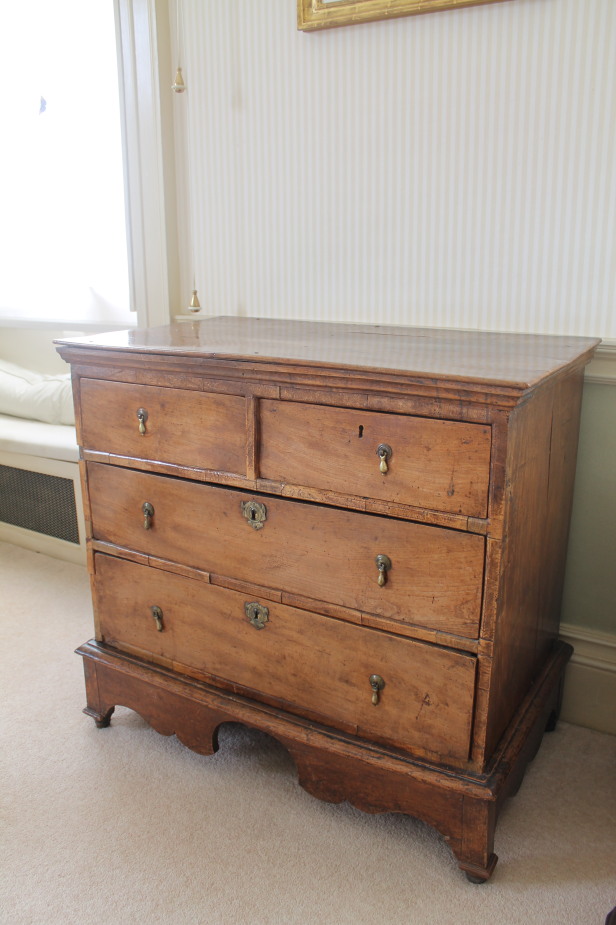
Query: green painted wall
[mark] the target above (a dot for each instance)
(590, 578)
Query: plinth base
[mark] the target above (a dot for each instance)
(331, 765)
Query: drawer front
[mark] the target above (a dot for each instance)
(440, 465)
(309, 664)
(435, 579)
(194, 429)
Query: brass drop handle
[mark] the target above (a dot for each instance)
(158, 618)
(142, 416)
(377, 684)
(384, 452)
(148, 514)
(383, 563)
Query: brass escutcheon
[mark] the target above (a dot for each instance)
(257, 615)
(142, 416)
(255, 513)
(377, 684)
(384, 452)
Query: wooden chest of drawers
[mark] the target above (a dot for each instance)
(350, 537)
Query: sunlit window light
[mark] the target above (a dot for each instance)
(63, 253)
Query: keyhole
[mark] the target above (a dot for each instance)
(252, 514)
(361, 431)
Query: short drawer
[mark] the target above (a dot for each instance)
(440, 465)
(193, 429)
(307, 663)
(434, 579)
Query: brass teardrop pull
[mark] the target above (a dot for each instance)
(384, 453)
(383, 563)
(377, 684)
(158, 618)
(142, 416)
(148, 514)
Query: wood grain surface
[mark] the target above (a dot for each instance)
(315, 666)
(442, 465)
(324, 553)
(197, 429)
(472, 512)
(521, 360)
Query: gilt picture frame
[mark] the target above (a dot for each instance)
(325, 14)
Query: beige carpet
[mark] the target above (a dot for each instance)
(123, 826)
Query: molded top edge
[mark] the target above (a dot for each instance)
(519, 361)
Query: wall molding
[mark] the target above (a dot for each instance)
(590, 680)
(592, 648)
(602, 368)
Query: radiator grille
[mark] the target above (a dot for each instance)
(40, 502)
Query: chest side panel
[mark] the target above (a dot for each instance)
(541, 455)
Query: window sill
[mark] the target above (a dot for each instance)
(75, 327)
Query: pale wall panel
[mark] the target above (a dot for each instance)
(454, 169)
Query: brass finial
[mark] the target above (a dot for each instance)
(194, 305)
(179, 86)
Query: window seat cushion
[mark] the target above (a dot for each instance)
(37, 397)
(36, 438)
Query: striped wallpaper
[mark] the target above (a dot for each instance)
(452, 169)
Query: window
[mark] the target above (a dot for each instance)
(63, 253)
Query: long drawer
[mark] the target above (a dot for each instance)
(441, 465)
(312, 665)
(434, 578)
(179, 426)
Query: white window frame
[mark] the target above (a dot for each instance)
(150, 211)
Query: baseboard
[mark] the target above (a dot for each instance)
(47, 545)
(40, 542)
(590, 679)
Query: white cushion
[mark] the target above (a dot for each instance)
(33, 438)
(26, 394)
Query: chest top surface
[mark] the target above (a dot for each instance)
(520, 361)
